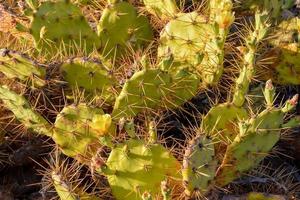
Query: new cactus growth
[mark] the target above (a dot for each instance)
(23, 111)
(248, 68)
(213, 122)
(60, 27)
(93, 77)
(80, 130)
(14, 65)
(221, 18)
(121, 28)
(199, 165)
(256, 138)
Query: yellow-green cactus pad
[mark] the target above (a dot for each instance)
(135, 167)
(257, 137)
(222, 119)
(153, 89)
(62, 188)
(60, 26)
(287, 51)
(145, 89)
(184, 86)
(162, 8)
(78, 130)
(93, 77)
(199, 165)
(66, 191)
(121, 28)
(184, 38)
(221, 18)
(15, 65)
(23, 112)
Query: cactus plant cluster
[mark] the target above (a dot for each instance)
(113, 130)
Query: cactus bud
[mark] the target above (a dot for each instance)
(269, 93)
(290, 104)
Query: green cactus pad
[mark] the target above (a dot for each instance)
(60, 26)
(66, 191)
(78, 130)
(121, 28)
(184, 38)
(14, 65)
(211, 68)
(162, 8)
(287, 50)
(91, 76)
(145, 89)
(221, 119)
(135, 167)
(221, 17)
(23, 111)
(184, 86)
(199, 165)
(62, 188)
(257, 137)
(154, 88)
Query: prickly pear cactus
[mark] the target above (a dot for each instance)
(63, 190)
(66, 191)
(256, 138)
(154, 88)
(93, 77)
(221, 18)
(286, 48)
(199, 165)
(121, 28)
(59, 27)
(215, 122)
(144, 89)
(23, 111)
(79, 130)
(14, 65)
(248, 71)
(135, 167)
(163, 8)
(184, 38)
(184, 86)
